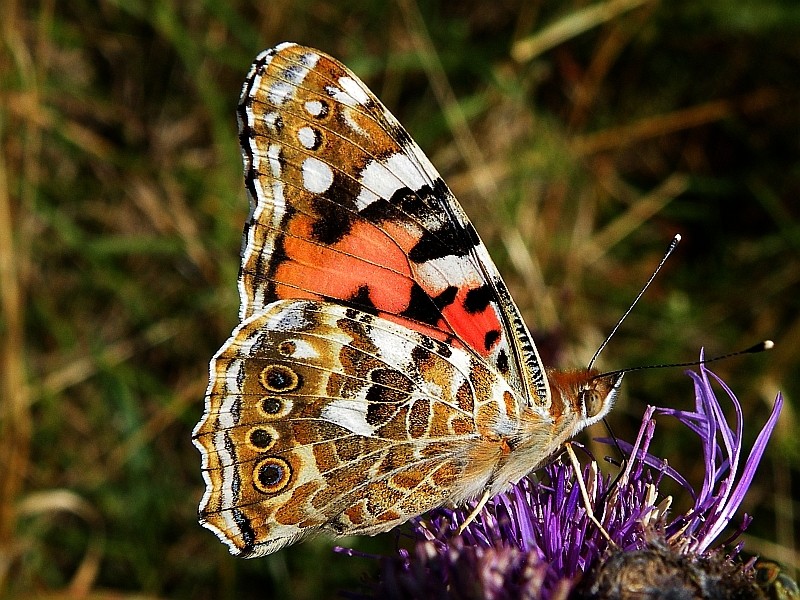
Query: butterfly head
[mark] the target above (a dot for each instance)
(597, 396)
(585, 393)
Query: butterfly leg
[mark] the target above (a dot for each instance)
(478, 508)
(586, 503)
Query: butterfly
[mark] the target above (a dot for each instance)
(380, 368)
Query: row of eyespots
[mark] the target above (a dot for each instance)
(271, 474)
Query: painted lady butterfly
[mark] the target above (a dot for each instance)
(381, 368)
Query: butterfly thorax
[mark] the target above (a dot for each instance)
(579, 398)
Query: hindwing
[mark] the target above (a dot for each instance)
(323, 417)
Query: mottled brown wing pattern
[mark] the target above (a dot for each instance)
(380, 369)
(323, 417)
(347, 208)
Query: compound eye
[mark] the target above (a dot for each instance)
(593, 403)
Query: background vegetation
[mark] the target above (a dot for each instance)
(580, 136)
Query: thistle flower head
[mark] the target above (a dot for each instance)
(538, 540)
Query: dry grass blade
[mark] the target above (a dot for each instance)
(570, 26)
(52, 502)
(642, 209)
(658, 125)
(15, 418)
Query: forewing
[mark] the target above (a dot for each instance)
(346, 208)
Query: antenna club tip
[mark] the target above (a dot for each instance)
(677, 238)
(760, 347)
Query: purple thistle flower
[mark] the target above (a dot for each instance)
(537, 540)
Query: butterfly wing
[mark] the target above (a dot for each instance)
(381, 368)
(323, 417)
(346, 208)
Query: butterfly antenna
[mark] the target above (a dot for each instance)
(754, 349)
(613, 437)
(760, 347)
(673, 244)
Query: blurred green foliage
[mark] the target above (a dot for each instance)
(121, 208)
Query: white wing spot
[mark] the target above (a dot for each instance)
(279, 92)
(283, 90)
(405, 170)
(317, 176)
(350, 414)
(439, 273)
(290, 318)
(341, 96)
(302, 349)
(381, 179)
(271, 119)
(393, 348)
(309, 59)
(273, 155)
(307, 137)
(350, 86)
(233, 375)
(314, 107)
